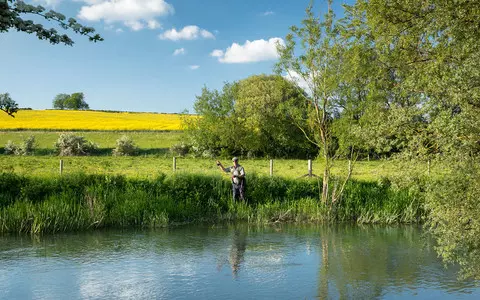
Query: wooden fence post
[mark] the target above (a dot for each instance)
(61, 166)
(174, 164)
(309, 168)
(271, 167)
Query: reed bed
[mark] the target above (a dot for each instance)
(81, 201)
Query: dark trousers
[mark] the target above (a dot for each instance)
(239, 190)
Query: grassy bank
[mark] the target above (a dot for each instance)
(82, 202)
(149, 166)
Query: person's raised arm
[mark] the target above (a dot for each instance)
(219, 164)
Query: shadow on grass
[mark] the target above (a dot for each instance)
(101, 152)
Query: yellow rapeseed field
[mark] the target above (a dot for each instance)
(89, 120)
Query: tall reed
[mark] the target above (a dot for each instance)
(84, 202)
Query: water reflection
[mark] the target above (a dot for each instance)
(237, 251)
(234, 262)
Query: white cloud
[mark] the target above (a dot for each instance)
(255, 51)
(268, 13)
(180, 51)
(217, 53)
(136, 14)
(153, 24)
(135, 25)
(304, 83)
(191, 32)
(194, 67)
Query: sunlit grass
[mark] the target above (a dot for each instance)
(148, 166)
(104, 139)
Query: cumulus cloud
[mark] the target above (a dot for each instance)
(268, 13)
(194, 67)
(180, 51)
(190, 32)
(136, 14)
(251, 51)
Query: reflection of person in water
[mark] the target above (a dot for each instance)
(237, 252)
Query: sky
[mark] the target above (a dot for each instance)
(157, 54)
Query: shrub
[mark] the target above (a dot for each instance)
(69, 144)
(10, 148)
(125, 147)
(180, 149)
(26, 148)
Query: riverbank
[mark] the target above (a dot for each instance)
(80, 201)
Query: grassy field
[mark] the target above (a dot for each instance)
(149, 142)
(89, 120)
(150, 166)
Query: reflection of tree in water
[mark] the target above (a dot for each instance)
(363, 263)
(237, 251)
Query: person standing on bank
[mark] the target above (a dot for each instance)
(238, 178)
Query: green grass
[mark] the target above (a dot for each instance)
(149, 166)
(153, 142)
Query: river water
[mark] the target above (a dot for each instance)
(229, 262)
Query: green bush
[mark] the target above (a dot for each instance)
(27, 147)
(69, 144)
(180, 149)
(125, 147)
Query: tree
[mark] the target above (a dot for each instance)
(430, 48)
(266, 105)
(59, 101)
(8, 105)
(318, 67)
(12, 14)
(249, 117)
(75, 101)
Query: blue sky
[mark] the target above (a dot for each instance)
(141, 65)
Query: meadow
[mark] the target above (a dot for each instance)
(149, 142)
(150, 166)
(89, 120)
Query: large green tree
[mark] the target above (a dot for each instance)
(431, 50)
(250, 117)
(75, 101)
(13, 14)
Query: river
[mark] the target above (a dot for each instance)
(230, 262)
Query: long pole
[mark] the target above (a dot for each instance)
(271, 167)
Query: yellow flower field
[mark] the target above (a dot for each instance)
(89, 120)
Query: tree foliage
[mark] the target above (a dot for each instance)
(312, 56)
(75, 101)
(13, 13)
(251, 117)
(428, 104)
(8, 105)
